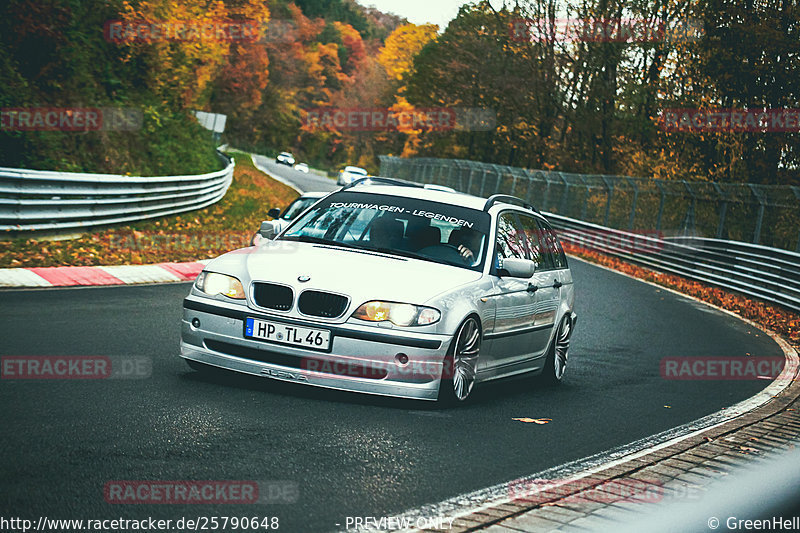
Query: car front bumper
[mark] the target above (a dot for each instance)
(361, 358)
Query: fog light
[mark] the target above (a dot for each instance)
(401, 358)
(195, 323)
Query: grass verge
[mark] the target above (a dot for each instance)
(202, 234)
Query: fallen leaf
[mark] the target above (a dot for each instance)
(668, 406)
(534, 420)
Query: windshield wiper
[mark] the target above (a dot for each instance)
(411, 255)
(319, 240)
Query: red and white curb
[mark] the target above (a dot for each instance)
(99, 275)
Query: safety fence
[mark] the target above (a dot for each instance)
(758, 214)
(767, 273)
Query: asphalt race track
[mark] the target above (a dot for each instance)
(346, 454)
(303, 181)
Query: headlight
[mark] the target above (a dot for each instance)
(397, 313)
(212, 284)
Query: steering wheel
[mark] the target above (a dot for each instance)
(445, 252)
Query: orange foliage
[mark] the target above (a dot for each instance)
(402, 46)
(183, 68)
(354, 44)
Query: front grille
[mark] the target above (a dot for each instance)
(272, 296)
(322, 304)
(353, 369)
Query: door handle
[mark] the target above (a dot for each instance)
(532, 287)
(557, 284)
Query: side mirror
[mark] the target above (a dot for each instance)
(268, 230)
(518, 268)
(275, 212)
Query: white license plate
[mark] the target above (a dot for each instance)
(315, 339)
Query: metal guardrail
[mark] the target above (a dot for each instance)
(760, 214)
(35, 200)
(765, 273)
(769, 274)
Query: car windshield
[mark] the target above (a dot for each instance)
(408, 227)
(297, 207)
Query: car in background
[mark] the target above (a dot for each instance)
(285, 158)
(350, 174)
(393, 289)
(283, 219)
(301, 167)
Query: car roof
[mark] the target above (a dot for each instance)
(314, 194)
(355, 169)
(433, 195)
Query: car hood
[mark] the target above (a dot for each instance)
(362, 276)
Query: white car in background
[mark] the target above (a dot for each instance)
(351, 174)
(301, 167)
(285, 158)
(283, 219)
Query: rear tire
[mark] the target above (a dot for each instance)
(556, 363)
(461, 364)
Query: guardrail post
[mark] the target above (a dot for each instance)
(760, 217)
(660, 204)
(546, 197)
(499, 178)
(633, 203)
(469, 181)
(530, 185)
(796, 191)
(564, 195)
(586, 190)
(609, 193)
(514, 182)
(723, 209)
(483, 181)
(689, 225)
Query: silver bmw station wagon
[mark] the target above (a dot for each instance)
(390, 288)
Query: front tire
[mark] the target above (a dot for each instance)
(557, 355)
(461, 364)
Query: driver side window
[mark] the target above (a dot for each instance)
(510, 240)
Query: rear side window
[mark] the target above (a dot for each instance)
(552, 245)
(536, 243)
